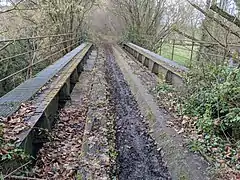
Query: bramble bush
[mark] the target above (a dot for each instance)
(211, 100)
(214, 97)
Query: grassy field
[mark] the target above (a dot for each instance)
(182, 54)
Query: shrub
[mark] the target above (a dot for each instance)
(214, 97)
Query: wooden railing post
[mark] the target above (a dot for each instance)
(173, 49)
(191, 57)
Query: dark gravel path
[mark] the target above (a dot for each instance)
(138, 157)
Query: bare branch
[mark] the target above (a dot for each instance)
(5, 46)
(14, 7)
(210, 16)
(210, 34)
(186, 35)
(224, 14)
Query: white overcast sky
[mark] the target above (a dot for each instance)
(231, 5)
(5, 3)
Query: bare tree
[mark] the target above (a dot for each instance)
(31, 18)
(144, 20)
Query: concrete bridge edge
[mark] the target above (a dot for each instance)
(182, 164)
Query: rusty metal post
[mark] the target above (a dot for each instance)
(191, 57)
(30, 61)
(173, 49)
(51, 50)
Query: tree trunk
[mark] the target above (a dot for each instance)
(204, 32)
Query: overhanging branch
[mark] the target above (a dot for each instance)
(224, 14)
(186, 35)
(210, 16)
(14, 7)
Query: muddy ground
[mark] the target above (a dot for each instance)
(81, 150)
(138, 156)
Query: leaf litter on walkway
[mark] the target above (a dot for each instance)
(59, 159)
(18, 122)
(12, 126)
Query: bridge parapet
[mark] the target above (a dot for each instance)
(60, 79)
(10, 102)
(170, 71)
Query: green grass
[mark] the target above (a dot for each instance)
(182, 54)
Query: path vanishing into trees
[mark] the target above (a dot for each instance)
(119, 90)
